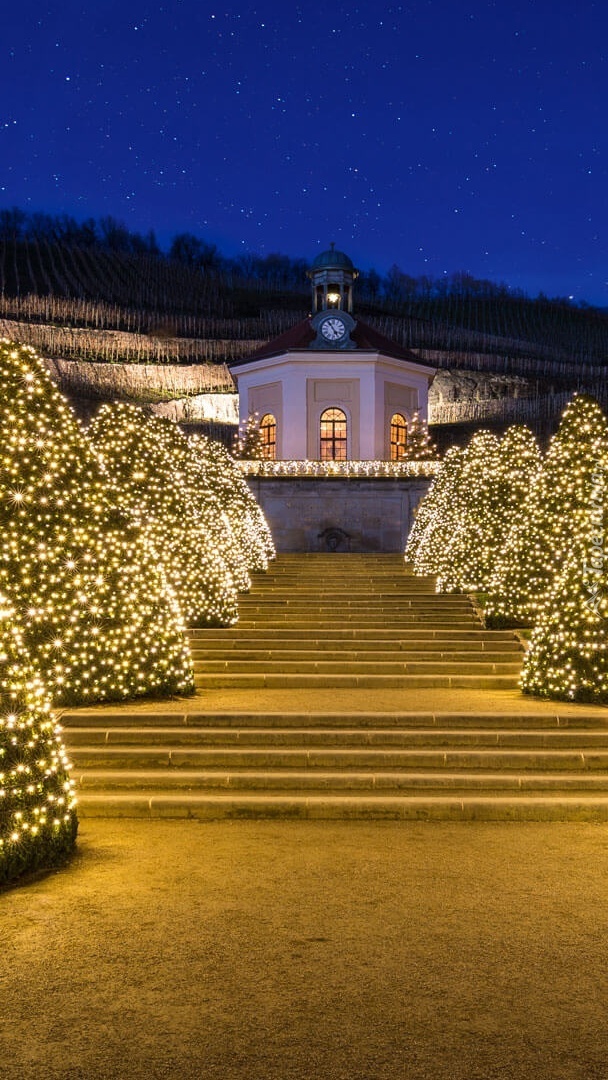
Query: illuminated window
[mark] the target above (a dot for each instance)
(268, 431)
(398, 437)
(333, 435)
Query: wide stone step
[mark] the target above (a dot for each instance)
(321, 585)
(362, 622)
(315, 681)
(476, 636)
(514, 806)
(346, 666)
(351, 590)
(105, 719)
(317, 599)
(342, 587)
(80, 739)
(355, 759)
(332, 650)
(276, 655)
(281, 780)
(389, 608)
(342, 622)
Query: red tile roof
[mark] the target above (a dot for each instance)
(299, 337)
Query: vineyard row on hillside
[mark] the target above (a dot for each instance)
(150, 293)
(98, 315)
(115, 346)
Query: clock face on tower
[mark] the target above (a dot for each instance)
(333, 329)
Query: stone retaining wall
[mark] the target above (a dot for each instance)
(314, 514)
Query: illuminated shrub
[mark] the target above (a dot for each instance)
(465, 560)
(218, 471)
(493, 484)
(437, 517)
(420, 446)
(249, 442)
(462, 522)
(150, 465)
(37, 806)
(97, 615)
(543, 533)
(568, 654)
(431, 504)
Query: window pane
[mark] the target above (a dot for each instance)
(398, 437)
(333, 432)
(268, 431)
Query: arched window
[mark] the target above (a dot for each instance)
(333, 435)
(268, 431)
(398, 437)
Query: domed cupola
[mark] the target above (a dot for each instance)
(332, 275)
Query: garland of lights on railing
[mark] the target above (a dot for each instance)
(350, 470)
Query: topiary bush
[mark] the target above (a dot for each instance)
(465, 560)
(568, 654)
(543, 532)
(219, 472)
(38, 822)
(98, 617)
(430, 505)
(149, 463)
(493, 484)
(437, 517)
(462, 522)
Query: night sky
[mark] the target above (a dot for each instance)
(440, 135)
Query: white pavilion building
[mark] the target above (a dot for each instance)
(332, 387)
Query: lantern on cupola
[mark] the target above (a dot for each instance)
(332, 275)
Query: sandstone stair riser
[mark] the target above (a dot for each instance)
(360, 597)
(334, 621)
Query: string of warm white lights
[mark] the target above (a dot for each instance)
(391, 470)
(462, 523)
(494, 481)
(465, 561)
(98, 617)
(419, 445)
(543, 533)
(217, 470)
(568, 654)
(37, 803)
(543, 525)
(439, 511)
(149, 462)
(429, 506)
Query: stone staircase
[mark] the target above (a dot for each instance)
(357, 623)
(352, 621)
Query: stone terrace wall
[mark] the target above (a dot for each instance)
(320, 514)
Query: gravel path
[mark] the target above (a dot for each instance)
(321, 951)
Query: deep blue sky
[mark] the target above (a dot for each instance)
(441, 135)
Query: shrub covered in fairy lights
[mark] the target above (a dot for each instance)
(218, 471)
(568, 654)
(97, 615)
(432, 501)
(469, 510)
(153, 475)
(493, 483)
(437, 517)
(37, 805)
(248, 441)
(465, 561)
(543, 533)
(420, 446)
